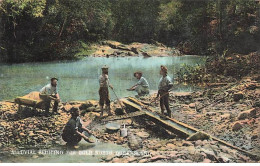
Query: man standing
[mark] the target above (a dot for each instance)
(165, 84)
(72, 132)
(49, 92)
(104, 92)
(142, 86)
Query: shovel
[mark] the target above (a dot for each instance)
(118, 100)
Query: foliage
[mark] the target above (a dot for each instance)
(45, 30)
(220, 68)
(135, 20)
(211, 27)
(189, 73)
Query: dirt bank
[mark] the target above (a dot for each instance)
(117, 49)
(228, 111)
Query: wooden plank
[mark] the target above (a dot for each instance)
(196, 130)
(130, 106)
(126, 116)
(168, 125)
(171, 119)
(155, 117)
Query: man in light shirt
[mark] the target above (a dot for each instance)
(142, 86)
(165, 84)
(104, 92)
(49, 92)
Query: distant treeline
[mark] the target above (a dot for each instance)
(45, 30)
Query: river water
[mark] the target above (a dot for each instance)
(78, 80)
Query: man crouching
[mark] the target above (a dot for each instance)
(72, 133)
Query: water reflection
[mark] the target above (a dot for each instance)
(78, 80)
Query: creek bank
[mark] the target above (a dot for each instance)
(216, 110)
(220, 69)
(116, 49)
(230, 112)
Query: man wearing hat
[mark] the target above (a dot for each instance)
(49, 92)
(165, 84)
(73, 130)
(104, 92)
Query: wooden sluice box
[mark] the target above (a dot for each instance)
(32, 99)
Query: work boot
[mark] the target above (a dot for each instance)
(47, 108)
(108, 109)
(137, 96)
(170, 115)
(162, 111)
(55, 107)
(169, 112)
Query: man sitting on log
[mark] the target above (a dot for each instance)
(72, 132)
(49, 92)
(142, 86)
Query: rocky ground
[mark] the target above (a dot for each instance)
(116, 49)
(228, 111)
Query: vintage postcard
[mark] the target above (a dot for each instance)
(129, 81)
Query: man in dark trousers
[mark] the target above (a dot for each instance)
(104, 92)
(165, 84)
(72, 132)
(50, 92)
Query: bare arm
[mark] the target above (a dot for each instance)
(87, 130)
(108, 82)
(85, 137)
(134, 87)
(82, 135)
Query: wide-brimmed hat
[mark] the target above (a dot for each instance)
(104, 67)
(164, 69)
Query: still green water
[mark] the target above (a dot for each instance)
(78, 80)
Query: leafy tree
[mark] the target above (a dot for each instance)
(135, 20)
(45, 30)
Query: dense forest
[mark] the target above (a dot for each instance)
(45, 30)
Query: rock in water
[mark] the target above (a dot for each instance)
(134, 142)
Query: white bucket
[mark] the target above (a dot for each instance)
(123, 132)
